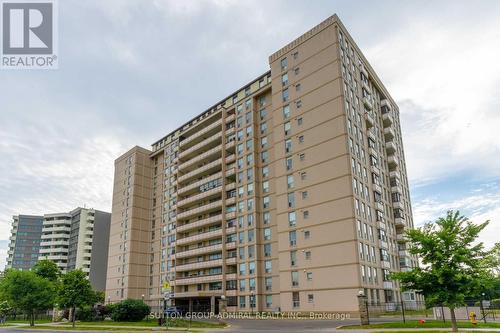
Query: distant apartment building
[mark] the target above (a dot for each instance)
(291, 194)
(24, 243)
(78, 239)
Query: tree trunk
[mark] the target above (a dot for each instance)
(32, 318)
(73, 316)
(453, 320)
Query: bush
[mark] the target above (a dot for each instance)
(130, 310)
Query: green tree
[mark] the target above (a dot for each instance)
(75, 291)
(130, 310)
(4, 311)
(47, 269)
(27, 291)
(452, 261)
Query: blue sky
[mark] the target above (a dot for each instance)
(131, 71)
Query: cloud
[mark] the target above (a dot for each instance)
(445, 76)
(479, 205)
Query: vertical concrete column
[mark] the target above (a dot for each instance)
(212, 304)
(363, 309)
(223, 305)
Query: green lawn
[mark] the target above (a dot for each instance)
(428, 324)
(26, 321)
(149, 323)
(53, 328)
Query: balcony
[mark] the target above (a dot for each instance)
(385, 103)
(197, 184)
(367, 103)
(396, 188)
(375, 169)
(207, 168)
(372, 151)
(197, 135)
(198, 265)
(199, 237)
(399, 222)
(55, 243)
(387, 119)
(199, 223)
(377, 188)
(404, 253)
(390, 147)
(365, 84)
(383, 244)
(394, 174)
(393, 162)
(388, 285)
(198, 251)
(201, 293)
(398, 204)
(385, 264)
(57, 229)
(203, 195)
(197, 280)
(362, 69)
(199, 210)
(379, 205)
(214, 152)
(369, 120)
(214, 139)
(381, 225)
(388, 134)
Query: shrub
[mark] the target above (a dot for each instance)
(130, 310)
(495, 303)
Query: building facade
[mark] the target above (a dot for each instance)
(291, 194)
(24, 243)
(75, 240)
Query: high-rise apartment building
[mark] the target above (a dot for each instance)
(24, 243)
(78, 239)
(291, 194)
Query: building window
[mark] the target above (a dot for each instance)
(285, 95)
(292, 237)
(305, 214)
(242, 301)
(309, 276)
(267, 250)
(308, 255)
(295, 299)
(286, 111)
(302, 156)
(289, 163)
(269, 301)
(265, 202)
(307, 234)
(266, 217)
(295, 55)
(290, 181)
(291, 200)
(287, 128)
(292, 220)
(293, 258)
(284, 79)
(268, 266)
(304, 194)
(284, 64)
(301, 139)
(300, 121)
(288, 146)
(295, 278)
(297, 86)
(268, 283)
(310, 298)
(267, 234)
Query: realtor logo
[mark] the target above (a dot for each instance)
(28, 34)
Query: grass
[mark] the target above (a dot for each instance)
(428, 324)
(26, 321)
(149, 323)
(53, 328)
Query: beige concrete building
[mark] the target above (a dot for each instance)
(291, 194)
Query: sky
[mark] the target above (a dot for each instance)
(130, 71)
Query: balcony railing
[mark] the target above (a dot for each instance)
(389, 134)
(197, 251)
(201, 157)
(196, 135)
(199, 223)
(387, 119)
(199, 237)
(198, 279)
(369, 120)
(199, 196)
(200, 209)
(390, 147)
(199, 170)
(198, 265)
(200, 145)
